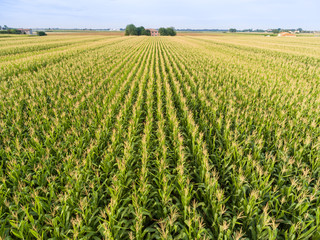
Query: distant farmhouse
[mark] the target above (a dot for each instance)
(25, 31)
(286, 34)
(132, 30)
(153, 32)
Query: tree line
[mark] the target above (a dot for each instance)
(170, 31)
(10, 31)
(6, 30)
(132, 30)
(275, 31)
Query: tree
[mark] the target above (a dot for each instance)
(41, 33)
(232, 30)
(140, 31)
(147, 32)
(131, 30)
(300, 29)
(14, 31)
(167, 31)
(163, 32)
(275, 31)
(5, 27)
(171, 31)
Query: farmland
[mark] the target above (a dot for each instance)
(187, 137)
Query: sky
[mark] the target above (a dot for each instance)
(197, 14)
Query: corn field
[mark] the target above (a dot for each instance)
(188, 137)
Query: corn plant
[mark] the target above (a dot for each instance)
(191, 137)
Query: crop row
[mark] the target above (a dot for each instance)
(159, 138)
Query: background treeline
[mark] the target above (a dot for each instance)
(275, 31)
(6, 30)
(167, 31)
(131, 29)
(10, 31)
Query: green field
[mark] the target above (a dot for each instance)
(187, 137)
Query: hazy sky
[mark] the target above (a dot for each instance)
(157, 13)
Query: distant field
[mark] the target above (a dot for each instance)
(187, 137)
(179, 33)
(81, 33)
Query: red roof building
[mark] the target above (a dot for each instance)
(153, 32)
